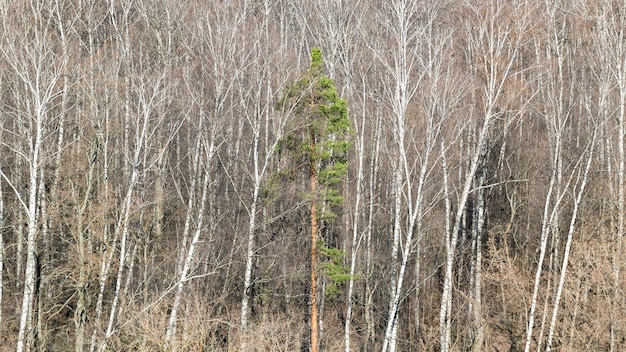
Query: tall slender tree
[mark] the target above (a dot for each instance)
(36, 67)
(320, 142)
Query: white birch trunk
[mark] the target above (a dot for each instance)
(568, 245)
(373, 178)
(479, 219)
(552, 205)
(29, 276)
(355, 226)
(621, 206)
(19, 179)
(387, 343)
(107, 258)
(444, 312)
(191, 199)
(148, 99)
(496, 44)
(123, 228)
(545, 232)
(257, 176)
(170, 334)
(401, 68)
(451, 238)
(247, 283)
(39, 76)
(267, 131)
(551, 208)
(414, 224)
(122, 46)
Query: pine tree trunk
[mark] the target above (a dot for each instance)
(313, 295)
(1, 249)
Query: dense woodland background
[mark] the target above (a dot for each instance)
(147, 201)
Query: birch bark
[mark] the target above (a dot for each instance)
(150, 93)
(356, 232)
(184, 273)
(496, 43)
(558, 117)
(581, 184)
(37, 69)
(267, 131)
(401, 68)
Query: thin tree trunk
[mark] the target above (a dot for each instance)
(259, 112)
(106, 257)
(80, 313)
(147, 99)
(370, 287)
(171, 327)
(2, 226)
(159, 191)
(545, 231)
(313, 294)
(122, 228)
(392, 309)
(29, 276)
(247, 284)
(355, 227)
(568, 245)
(413, 227)
(550, 223)
(182, 255)
(42, 93)
(251, 227)
(621, 203)
(450, 242)
(479, 214)
(451, 238)
(19, 265)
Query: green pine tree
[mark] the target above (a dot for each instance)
(321, 143)
(322, 139)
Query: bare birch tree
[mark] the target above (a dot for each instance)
(404, 30)
(37, 67)
(495, 41)
(611, 67)
(150, 93)
(257, 90)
